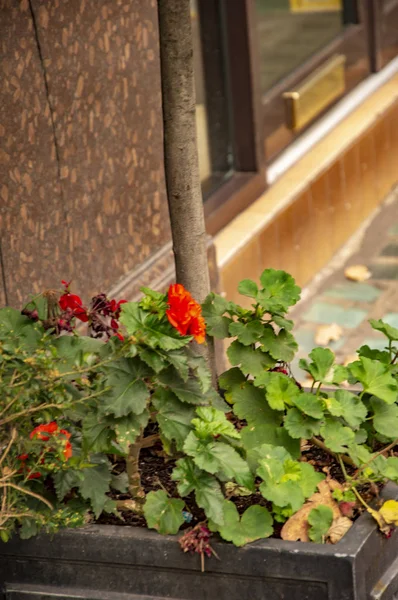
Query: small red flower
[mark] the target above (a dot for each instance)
(119, 335)
(185, 314)
(43, 429)
(73, 303)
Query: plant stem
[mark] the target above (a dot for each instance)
(320, 444)
(133, 470)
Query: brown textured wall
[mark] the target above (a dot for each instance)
(81, 158)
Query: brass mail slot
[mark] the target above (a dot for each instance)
(315, 93)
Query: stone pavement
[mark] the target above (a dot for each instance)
(331, 298)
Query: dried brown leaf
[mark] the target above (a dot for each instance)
(296, 528)
(357, 273)
(328, 333)
(338, 528)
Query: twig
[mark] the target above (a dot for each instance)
(382, 451)
(320, 444)
(29, 493)
(10, 443)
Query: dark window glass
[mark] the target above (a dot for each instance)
(212, 107)
(389, 30)
(290, 31)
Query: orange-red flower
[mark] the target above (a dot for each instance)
(185, 314)
(43, 432)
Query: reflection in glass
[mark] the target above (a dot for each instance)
(290, 31)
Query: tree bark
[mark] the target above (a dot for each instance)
(181, 154)
(180, 147)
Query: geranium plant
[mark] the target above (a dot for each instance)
(78, 412)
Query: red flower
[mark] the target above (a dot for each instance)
(73, 303)
(115, 307)
(40, 429)
(185, 314)
(119, 335)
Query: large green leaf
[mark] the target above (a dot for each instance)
(128, 392)
(280, 391)
(218, 457)
(127, 429)
(320, 519)
(74, 351)
(353, 409)
(309, 479)
(253, 437)
(249, 404)
(252, 361)
(95, 484)
(282, 346)
(247, 333)
(148, 328)
(187, 391)
(200, 369)
(65, 480)
(213, 310)
(336, 436)
(279, 291)
(211, 422)
(376, 379)
(300, 425)
(231, 378)
(309, 404)
(255, 524)
(163, 513)
(385, 419)
(247, 287)
(21, 329)
(207, 490)
(388, 330)
(174, 417)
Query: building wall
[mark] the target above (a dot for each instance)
(82, 193)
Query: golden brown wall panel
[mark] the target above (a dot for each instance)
(32, 213)
(102, 64)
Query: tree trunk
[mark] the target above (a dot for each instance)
(180, 152)
(180, 147)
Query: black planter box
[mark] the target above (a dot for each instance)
(103, 562)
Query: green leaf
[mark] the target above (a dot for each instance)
(280, 476)
(380, 355)
(212, 422)
(385, 419)
(353, 409)
(375, 378)
(95, 485)
(320, 519)
(388, 330)
(97, 434)
(309, 479)
(282, 346)
(285, 493)
(127, 429)
(207, 490)
(247, 287)
(179, 360)
(280, 390)
(163, 513)
(128, 392)
(230, 378)
(252, 361)
(300, 425)
(16, 326)
(174, 417)
(71, 350)
(322, 367)
(154, 359)
(120, 482)
(309, 404)
(201, 370)
(213, 310)
(279, 293)
(282, 322)
(150, 329)
(187, 391)
(336, 436)
(333, 406)
(65, 480)
(255, 524)
(254, 437)
(390, 468)
(249, 404)
(247, 333)
(215, 457)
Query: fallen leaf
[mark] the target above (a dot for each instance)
(296, 528)
(328, 333)
(350, 358)
(389, 512)
(338, 528)
(357, 273)
(378, 517)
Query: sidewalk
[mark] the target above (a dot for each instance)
(333, 299)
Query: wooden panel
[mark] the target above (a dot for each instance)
(367, 166)
(244, 265)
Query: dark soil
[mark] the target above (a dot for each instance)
(156, 469)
